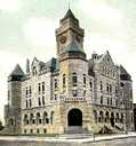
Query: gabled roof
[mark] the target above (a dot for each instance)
(124, 75)
(123, 70)
(17, 71)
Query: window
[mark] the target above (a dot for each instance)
(107, 101)
(74, 92)
(64, 80)
(31, 118)
(44, 131)
(39, 101)
(30, 90)
(55, 84)
(38, 118)
(110, 88)
(30, 103)
(39, 88)
(43, 100)
(55, 96)
(45, 116)
(43, 86)
(84, 93)
(52, 117)
(38, 131)
(101, 117)
(101, 100)
(74, 79)
(90, 83)
(31, 131)
(101, 86)
(84, 80)
(26, 92)
(26, 104)
(111, 101)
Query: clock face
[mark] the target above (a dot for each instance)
(63, 39)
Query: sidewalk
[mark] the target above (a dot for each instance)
(65, 140)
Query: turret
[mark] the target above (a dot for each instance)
(13, 109)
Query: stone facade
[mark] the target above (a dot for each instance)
(70, 91)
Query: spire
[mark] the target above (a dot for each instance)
(70, 15)
(27, 66)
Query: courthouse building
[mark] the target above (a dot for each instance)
(69, 92)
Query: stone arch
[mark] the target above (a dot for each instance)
(75, 117)
(107, 116)
(112, 119)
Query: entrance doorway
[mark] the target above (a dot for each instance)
(75, 117)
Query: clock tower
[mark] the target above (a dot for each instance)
(69, 35)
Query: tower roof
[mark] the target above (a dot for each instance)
(17, 74)
(69, 14)
(17, 71)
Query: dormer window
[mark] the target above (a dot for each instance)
(34, 71)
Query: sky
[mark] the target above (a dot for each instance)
(27, 29)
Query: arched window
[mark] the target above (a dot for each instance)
(107, 116)
(74, 79)
(31, 118)
(45, 117)
(117, 117)
(101, 86)
(64, 80)
(110, 88)
(52, 117)
(38, 118)
(26, 121)
(101, 100)
(91, 85)
(101, 117)
(122, 118)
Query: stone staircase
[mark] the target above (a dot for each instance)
(76, 132)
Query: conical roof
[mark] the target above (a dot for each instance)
(17, 71)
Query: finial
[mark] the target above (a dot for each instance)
(69, 4)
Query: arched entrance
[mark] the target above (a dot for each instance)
(75, 117)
